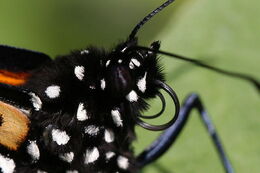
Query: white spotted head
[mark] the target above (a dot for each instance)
(131, 73)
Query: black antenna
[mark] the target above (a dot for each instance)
(248, 78)
(148, 17)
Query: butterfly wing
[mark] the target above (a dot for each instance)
(16, 64)
(14, 126)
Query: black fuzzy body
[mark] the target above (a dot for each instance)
(61, 112)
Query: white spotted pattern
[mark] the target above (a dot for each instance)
(36, 101)
(67, 157)
(141, 84)
(103, 84)
(7, 165)
(109, 136)
(117, 117)
(33, 150)
(60, 137)
(132, 96)
(82, 113)
(53, 91)
(91, 155)
(122, 162)
(79, 72)
(92, 130)
(109, 155)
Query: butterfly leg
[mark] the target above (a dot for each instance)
(167, 138)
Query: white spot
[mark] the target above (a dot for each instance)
(36, 101)
(92, 130)
(92, 87)
(136, 62)
(60, 137)
(103, 84)
(41, 171)
(109, 155)
(82, 113)
(122, 162)
(141, 84)
(79, 72)
(120, 61)
(91, 155)
(84, 52)
(7, 165)
(72, 171)
(107, 63)
(124, 49)
(132, 96)
(133, 63)
(33, 150)
(67, 157)
(117, 117)
(109, 136)
(53, 91)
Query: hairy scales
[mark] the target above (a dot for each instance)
(88, 99)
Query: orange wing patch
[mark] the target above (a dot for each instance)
(13, 78)
(14, 126)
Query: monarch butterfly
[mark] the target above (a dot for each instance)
(77, 106)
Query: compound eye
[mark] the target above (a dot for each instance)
(119, 80)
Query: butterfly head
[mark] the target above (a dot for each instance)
(129, 70)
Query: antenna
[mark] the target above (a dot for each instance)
(147, 18)
(248, 78)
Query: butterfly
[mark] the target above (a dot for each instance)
(77, 113)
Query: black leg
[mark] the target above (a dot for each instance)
(166, 139)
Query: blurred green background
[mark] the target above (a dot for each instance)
(223, 33)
